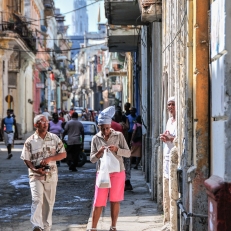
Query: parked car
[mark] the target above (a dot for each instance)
(90, 129)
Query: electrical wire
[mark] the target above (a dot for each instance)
(70, 11)
(61, 14)
(39, 38)
(178, 32)
(8, 49)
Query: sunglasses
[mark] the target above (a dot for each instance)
(43, 122)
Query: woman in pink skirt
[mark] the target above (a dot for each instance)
(115, 141)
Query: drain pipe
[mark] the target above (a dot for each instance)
(187, 216)
(183, 212)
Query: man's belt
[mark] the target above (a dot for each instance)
(9, 132)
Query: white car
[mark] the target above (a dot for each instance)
(79, 111)
(90, 129)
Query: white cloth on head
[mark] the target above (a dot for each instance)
(105, 116)
(171, 99)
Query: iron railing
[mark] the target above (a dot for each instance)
(18, 24)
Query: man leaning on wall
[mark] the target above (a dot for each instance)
(167, 137)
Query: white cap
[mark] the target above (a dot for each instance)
(38, 117)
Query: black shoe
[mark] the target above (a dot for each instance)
(136, 167)
(37, 228)
(128, 186)
(74, 170)
(9, 156)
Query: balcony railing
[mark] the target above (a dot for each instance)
(17, 24)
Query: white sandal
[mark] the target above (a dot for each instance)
(112, 228)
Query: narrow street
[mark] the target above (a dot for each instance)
(73, 199)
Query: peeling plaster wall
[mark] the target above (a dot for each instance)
(176, 48)
(155, 102)
(227, 92)
(221, 89)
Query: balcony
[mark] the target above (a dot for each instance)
(17, 24)
(124, 12)
(49, 6)
(122, 39)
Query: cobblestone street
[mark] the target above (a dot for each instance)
(73, 199)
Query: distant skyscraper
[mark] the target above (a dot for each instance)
(80, 18)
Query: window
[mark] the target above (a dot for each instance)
(15, 6)
(89, 129)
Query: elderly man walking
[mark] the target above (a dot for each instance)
(40, 153)
(167, 137)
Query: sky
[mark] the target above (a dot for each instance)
(67, 5)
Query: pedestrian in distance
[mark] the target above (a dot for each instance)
(9, 132)
(47, 114)
(61, 116)
(115, 124)
(127, 107)
(40, 153)
(131, 120)
(87, 115)
(75, 132)
(129, 117)
(123, 121)
(116, 143)
(167, 137)
(55, 127)
(136, 142)
(67, 117)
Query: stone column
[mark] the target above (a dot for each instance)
(173, 189)
(5, 56)
(166, 202)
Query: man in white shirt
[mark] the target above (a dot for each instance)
(167, 137)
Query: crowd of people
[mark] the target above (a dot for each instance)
(43, 151)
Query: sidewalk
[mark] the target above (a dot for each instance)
(22, 139)
(138, 212)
